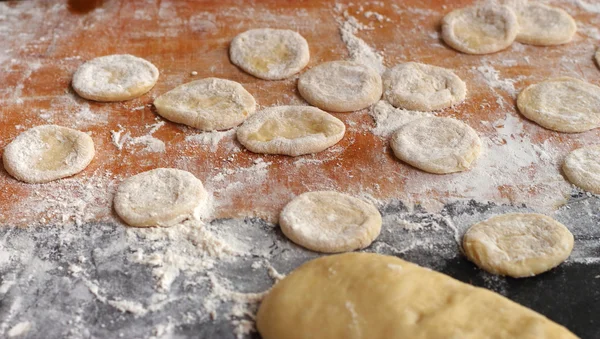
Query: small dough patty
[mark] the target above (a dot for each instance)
(421, 87)
(480, 29)
(290, 130)
(48, 152)
(437, 145)
(208, 104)
(340, 86)
(159, 197)
(582, 168)
(562, 104)
(518, 244)
(330, 222)
(114, 78)
(270, 54)
(544, 25)
(374, 296)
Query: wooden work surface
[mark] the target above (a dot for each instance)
(41, 54)
(80, 272)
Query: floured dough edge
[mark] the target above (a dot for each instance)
(582, 177)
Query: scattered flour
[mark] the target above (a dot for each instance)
(210, 139)
(150, 143)
(388, 118)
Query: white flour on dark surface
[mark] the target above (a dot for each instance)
(76, 271)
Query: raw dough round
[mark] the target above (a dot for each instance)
(270, 54)
(340, 86)
(48, 152)
(374, 296)
(159, 197)
(208, 104)
(544, 25)
(582, 168)
(421, 87)
(437, 145)
(290, 130)
(518, 244)
(562, 104)
(114, 78)
(480, 29)
(330, 222)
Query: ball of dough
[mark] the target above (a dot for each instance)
(374, 296)
(562, 104)
(582, 168)
(340, 86)
(48, 152)
(421, 87)
(480, 29)
(330, 222)
(159, 197)
(270, 54)
(116, 77)
(290, 130)
(544, 25)
(208, 104)
(437, 145)
(518, 244)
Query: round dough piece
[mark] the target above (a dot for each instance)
(374, 296)
(544, 25)
(421, 87)
(330, 222)
(518, 244)
(562, 104)
(159, 197)
(290, 130)
(208, 104)
(480, 29)
(437, 145)
(48, 152)
(582, 168)
(116, 77)
(340, 86)
(270, 54)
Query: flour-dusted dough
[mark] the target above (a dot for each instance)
(330, 222)
(374, 296)
(562, 104)
(582, 168)
(208, 104)
(480, 29)
(159, 197)
(437, 145)
(340, 86)
(290, 130)
(116, 77)
(421, 87)
(544, 25)
(518, 244)
(48, 152)
(271, 54)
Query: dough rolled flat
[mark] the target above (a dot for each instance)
(582, 168)
(290, 130)
(544, 25)
(330, 222)
(562, 104)
(48, 152)
(518, 244)
(340, 86)
(480, 29)
(366, 295)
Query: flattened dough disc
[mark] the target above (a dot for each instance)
(544, 25)
(518, 244)
(330, 222)
(480, 29)
(48, 152)
(562, 104)
(582, 168)
(116, 77)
